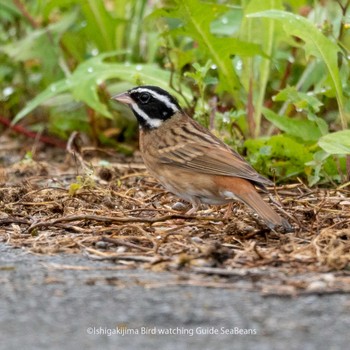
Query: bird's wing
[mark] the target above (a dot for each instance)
(204, 153)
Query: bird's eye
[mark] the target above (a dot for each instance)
(144, 97)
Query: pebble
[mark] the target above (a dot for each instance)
(101, 245)
(179, 206)
(197, 240)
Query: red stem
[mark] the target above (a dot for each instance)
(22, 130)
(250, 110)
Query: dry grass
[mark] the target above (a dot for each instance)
(121, 214)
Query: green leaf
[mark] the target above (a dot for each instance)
(301, 100)
(99, 23)
(84, 82)
(266, 33)
(304, 102)
(324, 167)
(314, 173)
(37, 44)
(282, 153)
(53, 90)
(196, 20)
(42, 46)
(8, 10)
(316, 44)
(227, 24)
(336, 143)
(307, 130)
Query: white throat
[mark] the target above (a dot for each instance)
(153, 123)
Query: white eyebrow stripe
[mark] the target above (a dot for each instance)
(153, 123)
(159, 97)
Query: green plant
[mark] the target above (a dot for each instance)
(267, 66)
(54, 42)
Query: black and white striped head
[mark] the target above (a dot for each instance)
(150, 104)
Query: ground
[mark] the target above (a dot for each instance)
(63, 301)
(91, 237)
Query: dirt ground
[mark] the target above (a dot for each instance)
(99, 209)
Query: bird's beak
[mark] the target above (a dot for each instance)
(123, 98)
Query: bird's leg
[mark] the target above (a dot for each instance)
(228, 212)
(195, 206)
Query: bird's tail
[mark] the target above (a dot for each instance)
(272, 219)
(244, 190)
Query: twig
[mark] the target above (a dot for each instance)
(91, 253)
(26, 14)
(279, 207)
(124, 243)
(171, 81)
(256, 250)
(14, 221)
(73, 149)
(112, 219)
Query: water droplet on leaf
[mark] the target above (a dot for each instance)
(8, 91)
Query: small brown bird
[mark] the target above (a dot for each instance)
(191, 162)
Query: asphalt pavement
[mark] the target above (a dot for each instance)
(73, 302)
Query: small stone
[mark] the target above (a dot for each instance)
(317, 285)
(121, 249)
(101, 245)
(196, 240)
(248, 228)
(328, 277)
(179, 206)
(3, 215)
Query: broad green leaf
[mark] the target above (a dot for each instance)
(61, 123)
(99, 23)
(279, 155)
(307, 130)
(84, 82)
(316, 44)
(196, 19)
(229, 23)
(336, 143)
(53, 90)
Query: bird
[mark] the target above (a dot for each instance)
(190, 161)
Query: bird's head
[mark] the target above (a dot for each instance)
(150, 104)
